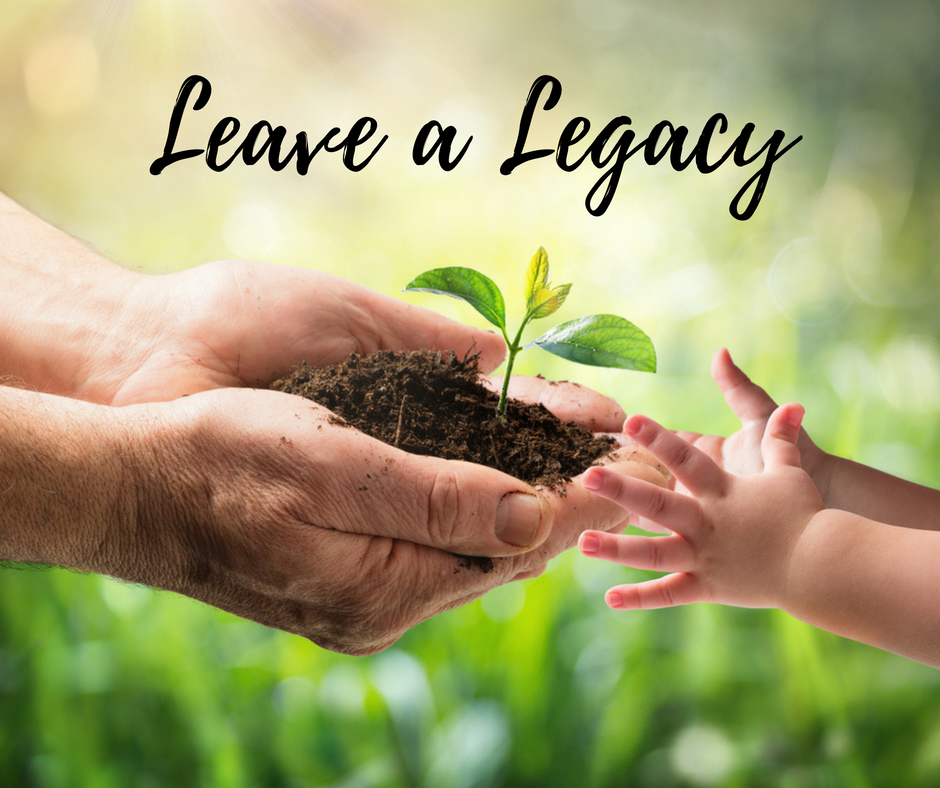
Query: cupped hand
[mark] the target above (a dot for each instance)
(261, 504)
(246, 323)
(731, 537)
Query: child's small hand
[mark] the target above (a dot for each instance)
(740, 453)
(731, 537)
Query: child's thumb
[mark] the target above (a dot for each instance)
(778, 446)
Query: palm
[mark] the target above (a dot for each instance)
(740, 453)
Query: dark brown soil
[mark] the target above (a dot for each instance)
(434, 404)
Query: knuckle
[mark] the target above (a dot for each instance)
(668, 597)
(682, 454)
(446, 509)
(654, 555)
(655, 503)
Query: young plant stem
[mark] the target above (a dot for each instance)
(513, 349)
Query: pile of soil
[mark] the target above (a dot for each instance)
(430, 403)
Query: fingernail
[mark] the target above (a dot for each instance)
(590, 543)
(614, 599)
(518, 518)
(632, 425)
(795, 415)
(593, 479)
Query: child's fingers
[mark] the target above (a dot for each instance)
(748, 401)
(675, 511)
(693, 468)
(657, 553)
(677, 589)
(778, 446)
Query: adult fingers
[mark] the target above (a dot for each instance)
(382, 587)
(637, 461)
(656, 553)
(402, 326)
(691, 467)
(568, 401)
(673, 510)
(470, 509)
(748, 401)
(779, 444)
(668, 591)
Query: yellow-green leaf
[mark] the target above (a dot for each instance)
(562, 292)
(536, 277)
(542, 303)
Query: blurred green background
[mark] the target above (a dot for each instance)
(828, 295)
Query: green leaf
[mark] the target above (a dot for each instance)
(601, 341)
(536, 276)
(542, 303)
(471, 286)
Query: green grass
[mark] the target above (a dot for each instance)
(105, 685)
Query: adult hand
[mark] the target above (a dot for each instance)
(246, 323)
(302, 524)
(243, 322)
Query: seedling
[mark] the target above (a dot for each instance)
(597, 340)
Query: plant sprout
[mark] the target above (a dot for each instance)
(597, 340)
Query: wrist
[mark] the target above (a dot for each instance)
(65, 311)
(803, 569)
(820, 466)
(178, 478)
(62, 480)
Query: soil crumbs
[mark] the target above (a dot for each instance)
(433, 403)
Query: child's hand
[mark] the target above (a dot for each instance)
(740, 453)
(732, 537)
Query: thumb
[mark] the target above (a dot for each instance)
(778, 446)
(747, 400)
(457, 506)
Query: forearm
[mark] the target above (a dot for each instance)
(879, 496)
(872, 582)
(63, 308)
(62, 500)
